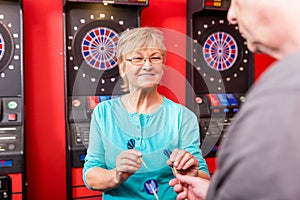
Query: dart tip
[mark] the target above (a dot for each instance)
(143, 162)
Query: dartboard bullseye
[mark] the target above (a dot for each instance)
(220, 51)
(2, 46)
(99, 48)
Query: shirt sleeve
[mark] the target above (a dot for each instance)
(190, 140)
(95, 153)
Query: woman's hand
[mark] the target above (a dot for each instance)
(127, 163)
(184, 162)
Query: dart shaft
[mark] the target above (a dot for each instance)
(174, 170)
(154, 193)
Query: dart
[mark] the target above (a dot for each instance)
(131, 145)
(167, 152)
(151, 187)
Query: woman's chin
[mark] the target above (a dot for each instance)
(149, 85)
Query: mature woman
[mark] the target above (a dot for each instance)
(138, 139)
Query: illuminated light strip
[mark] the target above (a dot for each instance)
(129, 1)
(8, 129)
(8, 138)
(108, 2)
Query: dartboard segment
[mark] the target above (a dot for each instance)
(2, 46)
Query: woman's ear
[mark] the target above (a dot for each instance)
(121, 69)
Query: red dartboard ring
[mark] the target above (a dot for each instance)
(6, 47)
(94, 47)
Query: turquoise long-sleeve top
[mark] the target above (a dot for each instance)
(112, 126)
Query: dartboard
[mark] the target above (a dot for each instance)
(2, 46)
(98, 48)
(220, 51)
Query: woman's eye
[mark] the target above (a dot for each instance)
(155, 58)
(138, 58)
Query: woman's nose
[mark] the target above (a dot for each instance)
(147, 65)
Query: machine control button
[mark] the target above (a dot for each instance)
(216, 110)
(12, 105)
(235, 110)
(12, 117)
(11, 147)
(5, 195)
(199, 100)
(76, 103)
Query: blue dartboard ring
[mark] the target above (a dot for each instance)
(6, 47)
(94, 48)
(98, 48)
(220, 51)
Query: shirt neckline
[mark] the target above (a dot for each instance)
(142, 114)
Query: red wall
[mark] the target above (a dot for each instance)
(44, 99)
(44, 85)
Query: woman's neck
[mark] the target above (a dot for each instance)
(142, 102)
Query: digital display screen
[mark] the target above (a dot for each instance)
(217, 4)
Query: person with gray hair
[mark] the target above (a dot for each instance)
(139, 140)
(259, 158)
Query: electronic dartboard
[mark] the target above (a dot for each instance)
(92, 29)
(219, 69)
(12, 166)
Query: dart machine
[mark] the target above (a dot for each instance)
(219, 69)
(92, 29)
(12, 172)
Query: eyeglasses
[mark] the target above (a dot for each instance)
(139, 61)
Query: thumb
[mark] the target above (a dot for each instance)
(190, 180)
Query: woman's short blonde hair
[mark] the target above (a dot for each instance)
(134, 39)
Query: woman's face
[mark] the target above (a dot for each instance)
(144, 68)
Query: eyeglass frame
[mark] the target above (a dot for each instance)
(146, 58)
